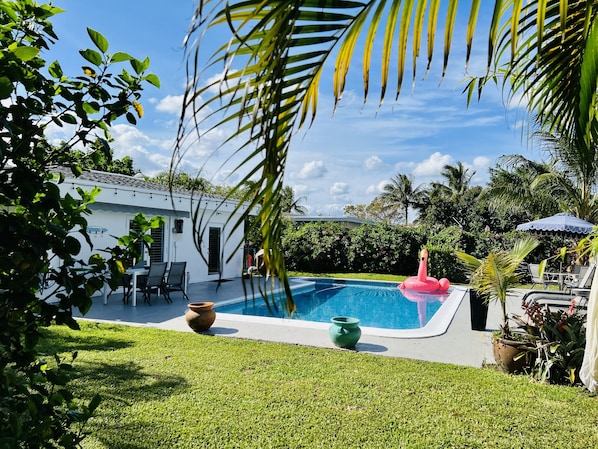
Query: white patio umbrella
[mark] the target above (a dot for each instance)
(562, 223)
(589, 367)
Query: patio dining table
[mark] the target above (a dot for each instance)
(135, 272)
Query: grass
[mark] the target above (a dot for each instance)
(164, 389)
(361, 276)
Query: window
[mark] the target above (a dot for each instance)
(214, 251)
(157, 247)
(156, 252)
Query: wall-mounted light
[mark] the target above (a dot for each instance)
(178, 226)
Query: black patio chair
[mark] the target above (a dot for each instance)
(175, 280)
(127, 285)
(153, 281)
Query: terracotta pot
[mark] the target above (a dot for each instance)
(513, 356)
(200, 315)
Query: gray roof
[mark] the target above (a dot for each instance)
(117, 179)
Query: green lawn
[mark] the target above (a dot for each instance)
(165, 389)
(362, 276)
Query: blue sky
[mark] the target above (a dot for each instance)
(345, 157)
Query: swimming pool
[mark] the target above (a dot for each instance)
(380, 306)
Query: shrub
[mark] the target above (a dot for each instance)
(317, 247)
(443, 263)
(383, 248)
(37, 409)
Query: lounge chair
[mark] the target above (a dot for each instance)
(574, 280)
(563, 299)
(545, 279)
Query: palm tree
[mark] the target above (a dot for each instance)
(499, 271)
(457, 179)
(399, 194)
(564, 184)
(290, 204)
(510, 188)
(573, 180)
(278, 51)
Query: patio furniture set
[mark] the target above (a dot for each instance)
(157, 277)
(572, 286)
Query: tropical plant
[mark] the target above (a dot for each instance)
(563, 184)
(499, 271)
(99, 157)
(290, 204)
(458, 180)
(510, 188)
(278, 51)
(42, 232)
(559, 338)
(400, 195)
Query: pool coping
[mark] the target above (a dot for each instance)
(438, 324)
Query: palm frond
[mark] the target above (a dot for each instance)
(276, 54)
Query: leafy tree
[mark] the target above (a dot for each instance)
(99, 157)
(377, 211)
(400, 195)
(38, 226)
(182, 180)
(541, 50)
(454, 201)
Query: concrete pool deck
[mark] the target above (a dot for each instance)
(459, 345)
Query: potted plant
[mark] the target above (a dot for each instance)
(491, 278)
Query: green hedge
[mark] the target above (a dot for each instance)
(384, 249)
(328, 247)
(317, 247)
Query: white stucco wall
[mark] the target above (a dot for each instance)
(116, 205)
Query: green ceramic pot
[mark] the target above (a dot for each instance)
(344, 331)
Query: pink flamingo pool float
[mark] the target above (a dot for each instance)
(424, 283)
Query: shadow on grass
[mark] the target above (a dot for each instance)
(127, 391)
(60, 339)
(127, 383)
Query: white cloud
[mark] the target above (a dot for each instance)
(339, 189)
(481, 162)
(433, 165)
(374, 163)
(215, 80)
(170, 104)
(312, 170)
(381, 185)
(372, 190)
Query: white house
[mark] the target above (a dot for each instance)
(123, 196)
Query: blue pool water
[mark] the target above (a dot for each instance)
(376, 304)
